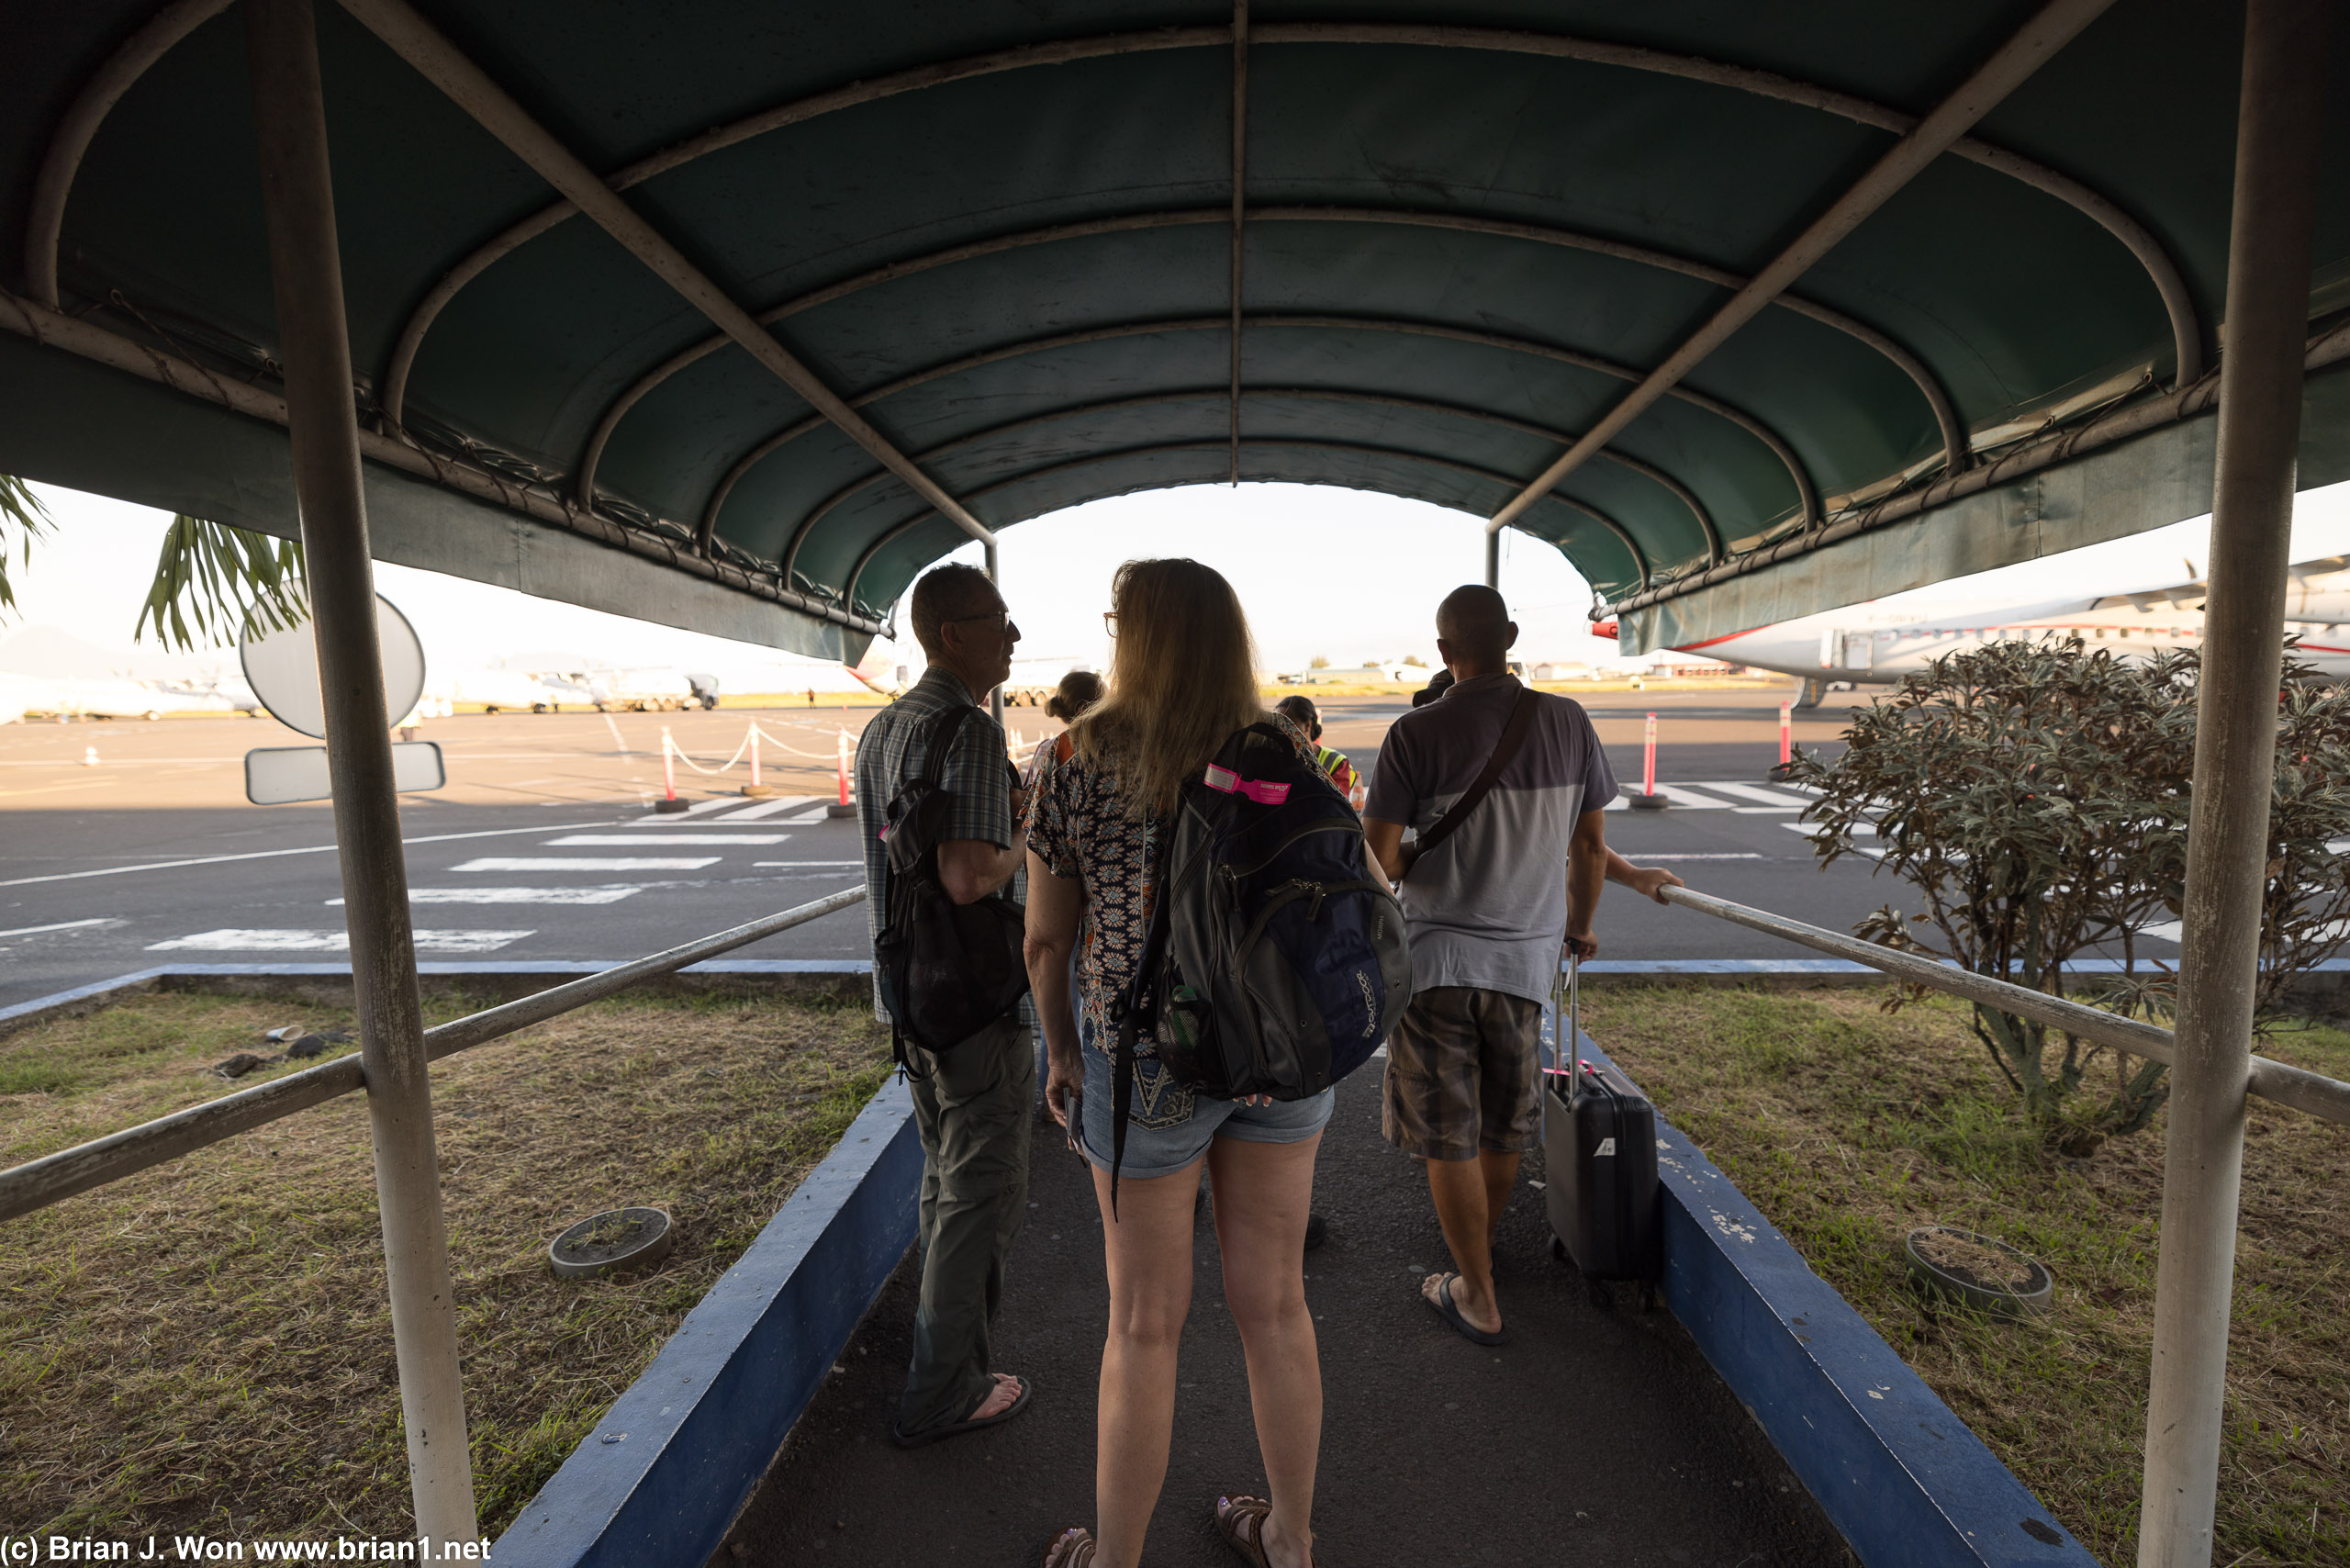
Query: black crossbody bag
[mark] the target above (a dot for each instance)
(948, 970)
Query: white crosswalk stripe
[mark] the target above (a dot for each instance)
(611, 893)
(695, 816)
(588, 862)
(607, 839)
(766, 809)
(1772, 801)
(1694, 797)
(238, 939)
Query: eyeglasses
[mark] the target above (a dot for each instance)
(1110, 621)
(1010, 627)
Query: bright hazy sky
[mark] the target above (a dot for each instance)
(1345, 575)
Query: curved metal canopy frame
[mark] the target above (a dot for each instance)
(1623, 536)
(1807, 496)
(2161, 270)
(1953, 435)
(76, 127)
(1301, 394)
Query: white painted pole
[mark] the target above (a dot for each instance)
(2279, 143)
(297, 202)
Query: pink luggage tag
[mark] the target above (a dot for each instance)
(1231, 783)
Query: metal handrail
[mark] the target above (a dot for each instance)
(2297, 1087)
(38, 1184)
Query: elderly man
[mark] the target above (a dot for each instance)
(971, 1102)
(1485, 907)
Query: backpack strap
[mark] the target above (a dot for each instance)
(1135, 1012)
(1521, 718)
(943, 730)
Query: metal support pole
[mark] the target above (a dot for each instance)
(2278, 130)
(1494, 559)
(297, 199)
(995, 698)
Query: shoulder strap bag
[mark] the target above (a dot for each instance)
(1521, 718)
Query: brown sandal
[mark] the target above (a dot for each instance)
(1231, 1513)
(1073, 1548)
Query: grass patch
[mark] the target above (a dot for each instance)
(1848, 1129)
(207, 1345)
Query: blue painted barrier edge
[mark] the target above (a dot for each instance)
(665, 1470)
(1902, 1478)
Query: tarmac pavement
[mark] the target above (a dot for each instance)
(543, 845)
(1592, 1437)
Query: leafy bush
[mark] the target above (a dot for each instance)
(2035, 796)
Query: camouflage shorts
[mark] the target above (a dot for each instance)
(1461, 1074)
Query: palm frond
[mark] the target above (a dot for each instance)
(214, 585)
(22, 519)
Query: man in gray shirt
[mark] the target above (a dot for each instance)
(1485, 910)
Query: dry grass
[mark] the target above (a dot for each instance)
(207, 1345)
(1848, 1129)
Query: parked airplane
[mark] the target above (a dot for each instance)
(1879, 641)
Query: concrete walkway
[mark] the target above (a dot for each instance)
(1593, 1437)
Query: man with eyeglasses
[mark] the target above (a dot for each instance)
(971, 1102)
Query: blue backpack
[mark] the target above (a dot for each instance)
(1275, 963)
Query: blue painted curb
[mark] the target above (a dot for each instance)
(1907, 1482)
(673, 1460)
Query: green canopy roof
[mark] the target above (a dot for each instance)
(1004, 234)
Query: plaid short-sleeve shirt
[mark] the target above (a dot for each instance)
(895, 748)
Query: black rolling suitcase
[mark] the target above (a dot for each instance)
(1599, 1148)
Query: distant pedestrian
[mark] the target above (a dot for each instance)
(1299, 709)
(1078, 691)
(811, 697)
(1181, 682)
(1486, 906)
(971, 1102)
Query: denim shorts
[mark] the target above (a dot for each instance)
(1168, 1127)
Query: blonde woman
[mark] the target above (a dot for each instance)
(1182, 680)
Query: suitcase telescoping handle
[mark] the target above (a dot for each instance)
(1565, 1021)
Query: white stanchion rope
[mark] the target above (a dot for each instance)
(678, 752)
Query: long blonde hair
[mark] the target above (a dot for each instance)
(1182, 677)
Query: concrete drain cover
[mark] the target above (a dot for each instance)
(610, 1242)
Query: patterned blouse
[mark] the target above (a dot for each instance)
(1078, 826)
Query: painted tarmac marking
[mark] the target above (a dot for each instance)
(612, 894)
(683, 819)
(273, 854)
(1711, 855)
(589, 863)
(768, 809)
(239, 939)
(1771, 798)
(60, 925)
(580, 840)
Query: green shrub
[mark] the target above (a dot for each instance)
(2035, 796)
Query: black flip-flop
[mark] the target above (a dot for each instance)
(973, 1424)
(1443, 1306)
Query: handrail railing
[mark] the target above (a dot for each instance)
(54, 1177)
(2297, 1087)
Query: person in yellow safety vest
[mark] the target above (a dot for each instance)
(1299, 709)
